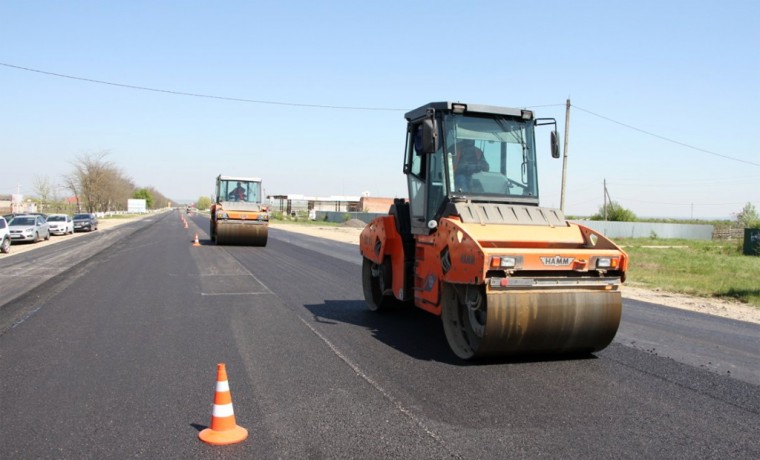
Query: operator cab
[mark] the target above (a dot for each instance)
(469, 153)
(238, 189)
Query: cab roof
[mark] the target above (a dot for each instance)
(468, 108)
(240, 178)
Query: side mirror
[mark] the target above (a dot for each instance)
(429, 136)
(555, 144)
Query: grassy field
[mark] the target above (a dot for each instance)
(703, 268)
(278, 217)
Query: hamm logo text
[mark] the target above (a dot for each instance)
(556, 261)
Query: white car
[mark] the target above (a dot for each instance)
(5, 237)
(61, 224)
(29, 228)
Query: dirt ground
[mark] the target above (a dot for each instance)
(103, 224)
(718, 307)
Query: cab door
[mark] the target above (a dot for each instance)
(425, 176)
(415, 168)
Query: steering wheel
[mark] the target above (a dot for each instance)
(514, 183)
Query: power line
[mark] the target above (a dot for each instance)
(339, 107)
(207, 96)
(223, 98)
(665, 138)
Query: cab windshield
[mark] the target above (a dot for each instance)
(240, 190)
(493, 157)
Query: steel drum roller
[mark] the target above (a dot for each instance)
(241, 233)
(508, 323)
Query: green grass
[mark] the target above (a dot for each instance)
(306, 222)
(702, 268)
(302, 218)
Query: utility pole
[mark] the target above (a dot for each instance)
(564, 157)
(607, 200)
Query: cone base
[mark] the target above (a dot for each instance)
(221, 438)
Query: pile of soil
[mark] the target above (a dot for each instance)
(354, 223)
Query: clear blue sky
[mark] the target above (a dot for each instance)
(666, 94)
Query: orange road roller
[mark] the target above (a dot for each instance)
(238, 216)
(472, 245)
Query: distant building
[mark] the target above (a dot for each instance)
(375, 204)
(18, 205)
(292, 203)
(5, 206)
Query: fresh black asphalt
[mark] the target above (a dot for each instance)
(115, 356)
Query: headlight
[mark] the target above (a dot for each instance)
(606, 262)
(503, 262)
(221, 215)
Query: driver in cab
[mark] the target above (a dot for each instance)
(238, 193)
(468, 160)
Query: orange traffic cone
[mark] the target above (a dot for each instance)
(223, 429)
(185, 223)
(195, 241)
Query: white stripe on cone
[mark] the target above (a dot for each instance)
(222, 386)
(223, 410)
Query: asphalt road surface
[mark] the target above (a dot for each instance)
(111, 352)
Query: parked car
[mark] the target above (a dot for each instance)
(9, 217)
(29, 228)
(5, 236)
(85, 222)
(61, 224)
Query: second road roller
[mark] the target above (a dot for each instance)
(472, 245)
(238, 216)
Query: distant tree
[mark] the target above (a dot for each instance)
(159, 200)
(748, 217)
(118, 191)
(71, 182)
(98, 184)
(203, 202)
(88, 175)
(144, 194)
(44, 189)
(614, 212)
